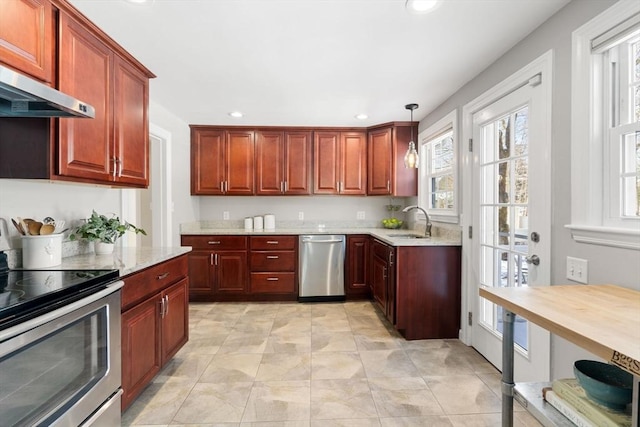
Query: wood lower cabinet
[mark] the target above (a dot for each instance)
(283, 162)
(386, 148)
(273, 268)
(27, 37)
(155, 322)
(383, 278)
(428, 291)
(356, 268)
(218, 267)
(340, 162)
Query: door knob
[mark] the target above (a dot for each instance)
(533, 259)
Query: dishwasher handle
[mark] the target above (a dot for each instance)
(322, 241)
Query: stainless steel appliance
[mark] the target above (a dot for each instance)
(22, 96)
(60, 347)
(321, 267)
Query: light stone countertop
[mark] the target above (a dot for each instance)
(125, 259)
(389, 236)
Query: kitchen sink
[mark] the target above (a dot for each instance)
(407, 236)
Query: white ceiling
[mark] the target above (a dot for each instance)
(312, 62)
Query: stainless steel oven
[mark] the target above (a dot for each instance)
(61, 366)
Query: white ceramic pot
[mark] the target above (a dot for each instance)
(41, 251)
(102, 248)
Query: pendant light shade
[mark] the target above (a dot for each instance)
(411, 158)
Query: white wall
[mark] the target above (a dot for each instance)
(606, 265)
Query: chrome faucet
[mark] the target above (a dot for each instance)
(427, 228)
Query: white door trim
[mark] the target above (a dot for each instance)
(542, 65)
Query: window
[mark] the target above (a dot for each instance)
(438, 176)
(605, 144)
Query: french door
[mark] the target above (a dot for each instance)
(511, 220)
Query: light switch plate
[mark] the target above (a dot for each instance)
(360, 215)
(225, 215)
(577, 270)
(300, 216)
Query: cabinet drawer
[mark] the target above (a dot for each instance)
(271, 243)
(215, 242)
(272, 282)
(138, 286)
(273, 261)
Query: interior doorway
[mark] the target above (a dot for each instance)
(155, 203)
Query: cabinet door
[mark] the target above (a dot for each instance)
(326, 157)
(207, 161)
(175, 321)
(230, 272)
(356, 268)
(297, 162)
(26, 37)
(379, 162)
(240, 152)
(269, 156)
(201, 273)
(141, 356)
(131, 124)
(353, 163)
(379, 281)
(85, 67)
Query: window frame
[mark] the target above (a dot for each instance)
(448, 123)
(591, 221)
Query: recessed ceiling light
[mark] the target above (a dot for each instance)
(361, 116)
(236, 114)
(421, 6)
(139, 1)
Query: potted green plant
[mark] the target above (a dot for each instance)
(103, 231)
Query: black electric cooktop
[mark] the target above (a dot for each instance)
(25, 294)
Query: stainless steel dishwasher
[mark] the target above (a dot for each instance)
(321, 267)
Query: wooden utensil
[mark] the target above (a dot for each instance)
(17, 226)
(34, 227)
(47, 229)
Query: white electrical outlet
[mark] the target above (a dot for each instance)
(360, 215)
(225, 215)
(577, 269)
(301, 216)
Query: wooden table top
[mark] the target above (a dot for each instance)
(602, 319)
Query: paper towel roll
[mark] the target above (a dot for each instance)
(248, 223)
(257, 223)
(269, 222)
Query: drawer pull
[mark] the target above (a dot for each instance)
(272, 242)
(214, 242)
(162, 276)
(272, 257)
(272, 279)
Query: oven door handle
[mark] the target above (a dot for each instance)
(62, 311)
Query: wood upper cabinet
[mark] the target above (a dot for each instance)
(386, 148)
(113, 147)
(283, 162)
(27, 37)
(222, 161)
(340, 165)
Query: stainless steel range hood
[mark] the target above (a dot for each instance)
(22, 96)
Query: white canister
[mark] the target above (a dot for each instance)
(41, 251)
(257, 223)
(269, 222)
(248, 223)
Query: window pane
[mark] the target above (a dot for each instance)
(522, 180)
(521, 137)
(630, 176)
(504, 137)
(635, 52)
(503, 182)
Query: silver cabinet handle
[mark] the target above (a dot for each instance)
(272, 257)
(211, 259)
(281, 186)
(322, 241)
(166, 310)
(272, 242)
(115, 166)
(162, 276)
(272, 279)
(216, 259)
(162, 308)
(119, 167)
(214, 242)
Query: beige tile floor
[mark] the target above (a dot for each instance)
(324, 364)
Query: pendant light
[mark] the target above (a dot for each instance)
(411, 159)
